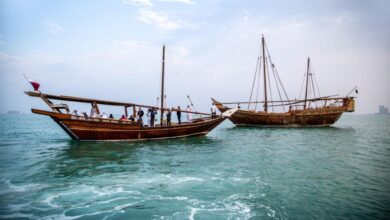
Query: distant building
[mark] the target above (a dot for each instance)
(383, 110)
(13, 112)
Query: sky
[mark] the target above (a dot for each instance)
(111, 49)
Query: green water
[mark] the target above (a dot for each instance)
(341, 172)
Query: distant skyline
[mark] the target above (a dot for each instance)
(112, 49)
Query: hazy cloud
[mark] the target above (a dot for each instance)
(190, 2)
(53, 27)
(162, 21)
(138, 2)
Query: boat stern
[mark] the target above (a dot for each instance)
(219, 105)
(349, 104)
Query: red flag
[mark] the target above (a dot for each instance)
(33, 83)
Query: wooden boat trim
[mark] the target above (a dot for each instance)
(62, 116)
(67, 130)
(148, 139)
(290, 101)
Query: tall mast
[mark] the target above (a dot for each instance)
(162, 87)
(265, 77)
(307, 80)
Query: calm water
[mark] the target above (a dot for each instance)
(341, 172)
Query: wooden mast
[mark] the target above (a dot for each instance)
(162, 87)
(307, 80)
(265, 77)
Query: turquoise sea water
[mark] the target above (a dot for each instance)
(341, 172)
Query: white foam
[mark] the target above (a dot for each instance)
(112, 200)
(180, 198)
(49, 200)
(61, 216)
(18, 215)
(192, 214)
(271, 212)
(188, 178)
(20, 188)
(237, 179)
(65, 217)
(125, 206)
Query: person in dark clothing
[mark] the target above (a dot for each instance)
(178, 113)
(131, 118)
(152, 117)
(140, 114)
(169, 113)
(111, 116)
(213, 110)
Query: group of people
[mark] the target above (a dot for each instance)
(151, 115)
(93, 114)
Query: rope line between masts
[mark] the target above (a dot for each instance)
(181, 80)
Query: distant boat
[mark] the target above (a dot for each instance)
(307, 112)
(105, 129)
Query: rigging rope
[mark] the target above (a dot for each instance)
(277, 87)
(181, 81)
(318, 88)
(254, 80)
(314, 91)
(277, 79)
(303, 83)
(257, 92)
(269, 83)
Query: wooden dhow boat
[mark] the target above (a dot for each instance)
(306, 112)
(107, 129)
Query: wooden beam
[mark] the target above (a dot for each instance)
(97, 101)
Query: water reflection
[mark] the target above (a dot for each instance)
(81, 159)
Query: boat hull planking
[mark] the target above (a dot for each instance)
(116, 130)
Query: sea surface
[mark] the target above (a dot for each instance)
(340, 172)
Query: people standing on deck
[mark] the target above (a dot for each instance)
(213, 110)
(104, 115)
(94, 113)
(75, 113)
(152, 117)
(148, 116)
(85, 115)
(178, 113)
(140, 114)
(169, 113)
(111, 116)
(131, 118)
(189, 114)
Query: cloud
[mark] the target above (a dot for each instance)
(246, 15)
(138, 2)
(151, 17)
(189, 2)
(53, 27)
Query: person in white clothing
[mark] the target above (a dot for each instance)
(189, 114)
(148, 115)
